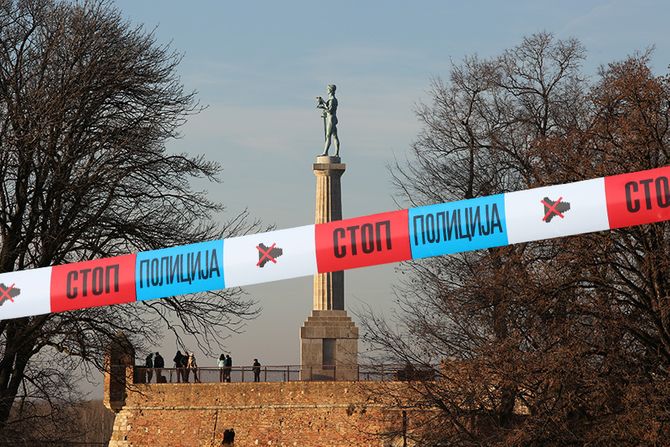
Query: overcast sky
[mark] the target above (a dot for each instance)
(259, 65)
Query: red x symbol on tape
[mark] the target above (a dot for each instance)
(4, 293)
(552, 209)
(266, 254)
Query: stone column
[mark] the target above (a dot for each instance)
(328, 287)
(329, 338)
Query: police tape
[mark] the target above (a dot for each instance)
(541, 213)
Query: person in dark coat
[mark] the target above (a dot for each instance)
(228, 367)
(159, 364)
(178, 362)
(257, 370)
(185, 371)
(228, 437)
(149, 364)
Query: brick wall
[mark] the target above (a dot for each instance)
(318, 414)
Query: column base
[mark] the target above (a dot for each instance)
(329, 346)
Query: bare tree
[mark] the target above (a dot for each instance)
(87, 102)
(560, 342)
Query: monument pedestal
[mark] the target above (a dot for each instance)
(329, 346)
(329, 338)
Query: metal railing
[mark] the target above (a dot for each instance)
(281, 373)
(211, 375)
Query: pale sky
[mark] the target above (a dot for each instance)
(258, 65)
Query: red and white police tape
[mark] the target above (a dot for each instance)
(552, 211)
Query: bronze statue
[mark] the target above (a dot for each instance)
(329, 115)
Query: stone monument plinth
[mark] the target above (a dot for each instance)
(329, 338)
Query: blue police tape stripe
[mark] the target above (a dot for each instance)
(455, 227)
(180, 270)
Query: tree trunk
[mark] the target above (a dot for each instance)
(18, 350)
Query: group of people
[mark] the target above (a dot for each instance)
(157, 364)
(185, 364)
(225, 364)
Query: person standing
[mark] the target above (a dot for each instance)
(178, 359)
(149, 364)
(257, 370)
(221, 363)
(159, 364)
(228, 367)
(186, 373)
(184, 369)
(191, 365)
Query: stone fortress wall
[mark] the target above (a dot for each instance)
(301, 413)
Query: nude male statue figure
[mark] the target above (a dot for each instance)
(329, 107)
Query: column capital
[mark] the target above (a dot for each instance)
(328, 165)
